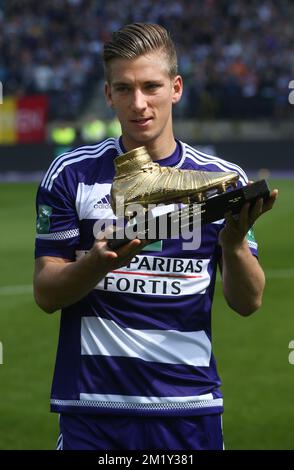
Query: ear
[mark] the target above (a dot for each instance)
(177, 89)
(108, 95)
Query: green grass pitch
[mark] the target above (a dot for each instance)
(252, 353)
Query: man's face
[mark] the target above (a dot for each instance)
(142, 94)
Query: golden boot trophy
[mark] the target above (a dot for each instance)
(139, 180)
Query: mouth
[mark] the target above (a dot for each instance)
(141, 122)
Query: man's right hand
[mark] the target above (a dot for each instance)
(108, 260)
(59, 282)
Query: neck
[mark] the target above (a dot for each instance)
(159, 152)
(158, 148)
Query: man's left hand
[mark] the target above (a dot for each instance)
(236, 228)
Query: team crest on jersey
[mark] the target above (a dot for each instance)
(43, 220)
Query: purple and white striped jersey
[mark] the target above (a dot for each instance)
(140, 341)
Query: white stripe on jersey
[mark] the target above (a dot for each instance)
(91, 202)
(202, 159)
(142, 282)
(188, 403)
(143, 399)
(60, 442)
(145, 275)
(103, 337)
(64, 235)
(59, 163)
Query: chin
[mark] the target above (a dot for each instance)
(143, 137)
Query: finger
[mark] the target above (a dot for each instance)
(105, 251)
(230, 223)
(127, 257)
(268, 205)
(244, 218)
(129, 247)
(110, 255)
(255, 211)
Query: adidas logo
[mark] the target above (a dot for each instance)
(103, 203)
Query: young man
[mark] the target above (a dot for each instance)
(134, 367)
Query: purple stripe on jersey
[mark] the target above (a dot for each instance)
(166, 312)
(115, 375)
(208, 233)
(66, 374)
(86, 234)
(60, 249)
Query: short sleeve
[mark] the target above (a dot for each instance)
(57, 224)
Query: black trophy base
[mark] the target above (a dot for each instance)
(208, 211)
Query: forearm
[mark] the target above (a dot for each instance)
(243, 279)
(58, 285)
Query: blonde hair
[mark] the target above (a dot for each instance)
(137, 39)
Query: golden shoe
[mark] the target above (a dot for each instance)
(139, 180)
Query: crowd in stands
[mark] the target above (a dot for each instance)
(236, 56)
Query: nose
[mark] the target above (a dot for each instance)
(138, 101)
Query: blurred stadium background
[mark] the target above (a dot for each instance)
(237, 59)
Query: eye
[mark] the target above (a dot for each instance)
(152, 86)
(122, 88)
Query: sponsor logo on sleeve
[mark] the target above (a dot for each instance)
(250, 236)
(251, 239)
(43, 220)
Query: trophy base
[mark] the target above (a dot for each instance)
(205, 212)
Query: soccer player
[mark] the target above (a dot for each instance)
(134, 366)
